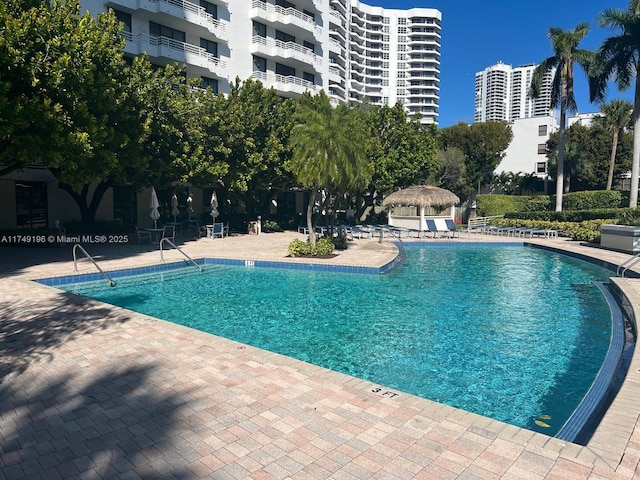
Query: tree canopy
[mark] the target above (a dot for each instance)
(483, 145)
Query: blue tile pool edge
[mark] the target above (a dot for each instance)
(580, 425)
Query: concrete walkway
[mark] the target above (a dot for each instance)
(94, 391)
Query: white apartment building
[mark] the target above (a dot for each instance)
(502, 94)
(351, 50)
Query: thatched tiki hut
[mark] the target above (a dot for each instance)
(410, 207)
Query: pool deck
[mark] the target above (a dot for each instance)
(92, 391)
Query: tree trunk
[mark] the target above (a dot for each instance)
(88, 209)
(561, 141)
(612, 160)
(312, 201)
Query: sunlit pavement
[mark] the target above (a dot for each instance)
(94, 391)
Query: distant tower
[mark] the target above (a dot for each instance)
(502, 94)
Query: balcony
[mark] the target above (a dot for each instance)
(285, 16)
(188, 11)
(163, 47)
(286, 50)
(285, 83)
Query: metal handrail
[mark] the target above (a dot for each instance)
(86, 254)
(165, 239)
(627, 264)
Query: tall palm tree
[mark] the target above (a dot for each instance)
(616, 116)
(565, 53)
(328, 150)
(619, 58)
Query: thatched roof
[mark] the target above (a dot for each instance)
(421, 196)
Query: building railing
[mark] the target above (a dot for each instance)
(143, 39)
(206, 19)
(290, 49)
(274, 79)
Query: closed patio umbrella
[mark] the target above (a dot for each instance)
(214, 206)
(174, 208)
(153, 205)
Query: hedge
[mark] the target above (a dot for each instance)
(491, 205)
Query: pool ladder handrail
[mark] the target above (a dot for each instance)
(86, 254)
(627, 264)
(165, 239)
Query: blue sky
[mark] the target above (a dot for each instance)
(477, 34)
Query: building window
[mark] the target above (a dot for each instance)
(541, 167)
(542, 130)
(157, 30)
(284, 4)
(125, 18)
(209, 46)
(309, 77)
(285, 70)
(259, 29)
(259, 64)
(31, 204)
(542, 149)
(285, 37)
(210, 8)
(211, 83)
(310, 46)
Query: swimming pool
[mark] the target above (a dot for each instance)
(513, 333)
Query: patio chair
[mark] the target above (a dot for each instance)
(219, 230)
(146, 236)
(169, 231)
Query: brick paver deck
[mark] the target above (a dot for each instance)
(94, 391)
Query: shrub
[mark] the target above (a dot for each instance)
(490, 205)
(271, 226)
(339, 242)
(588, 231)
(630, 216)
(591, 200)
(298, 248)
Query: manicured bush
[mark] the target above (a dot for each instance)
(491, 205)
(298, 248)
(591, 200)
(570, 215)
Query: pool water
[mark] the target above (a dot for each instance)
(517, 334)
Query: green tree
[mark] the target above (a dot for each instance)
(69, 100)
(327, 146)
(483, 145)
(451, 170)
(254, 124)
(616, 116)
(565, 53)
(587, 156)
(619, 58)
(401, 150)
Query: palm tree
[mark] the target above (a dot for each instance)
(328, 149)
(565, 53)
(619, 58)
(616, 115)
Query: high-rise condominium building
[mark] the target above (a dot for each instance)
(351, 50)
(502, 94)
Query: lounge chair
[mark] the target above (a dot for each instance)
(452, 227)
(358, 231)
(436, 229)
